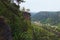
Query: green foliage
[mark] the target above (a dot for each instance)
(21, 28)
(18, 24)
(52, 18)
(42, 34)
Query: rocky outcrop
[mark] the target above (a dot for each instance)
(5, 31)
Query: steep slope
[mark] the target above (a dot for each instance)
(15, 19)
(40, 33)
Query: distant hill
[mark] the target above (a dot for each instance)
(47, 17)
(32, 13)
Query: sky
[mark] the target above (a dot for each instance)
(41, 5)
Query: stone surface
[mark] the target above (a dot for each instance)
(5, 31)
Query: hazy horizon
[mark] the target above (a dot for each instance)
(42, 5)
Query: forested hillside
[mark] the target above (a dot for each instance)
(21, 26)
(45, 33)
(15, 18)
(52, 18)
